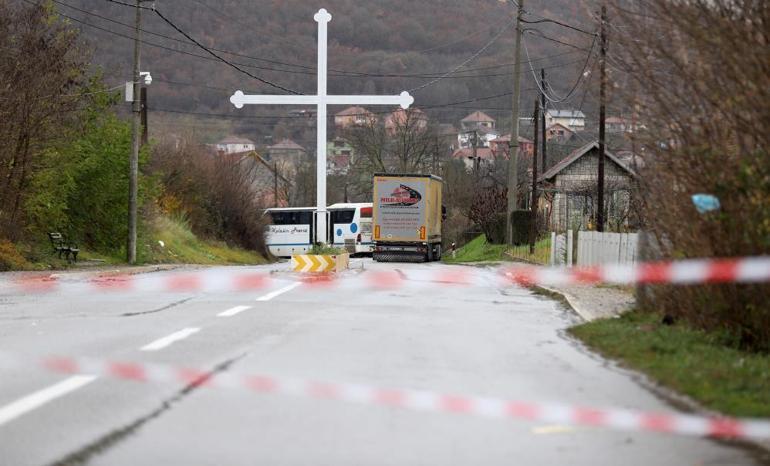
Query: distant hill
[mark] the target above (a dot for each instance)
(375, 46)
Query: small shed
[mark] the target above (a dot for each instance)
(570, 190)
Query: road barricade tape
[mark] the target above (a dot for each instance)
(685, 272)
(417, 400)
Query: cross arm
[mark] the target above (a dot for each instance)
(403, 99)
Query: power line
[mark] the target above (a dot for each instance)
(214, 54)
(339, 73)
(472, 57)
(577, 83)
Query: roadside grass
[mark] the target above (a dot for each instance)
(477, 250)
(542, 254)
(695, 363)
(481, 250)
(180, 245)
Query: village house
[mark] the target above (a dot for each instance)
(234, 144)
(413, 118)
(483, 155)
(477, 120)
(572, 119)
(570, 191)
(353, 116)
(500, 145)
(558, 132)
(339, 154)
(484, 137)
(287, 152)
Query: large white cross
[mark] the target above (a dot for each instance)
(239, 99)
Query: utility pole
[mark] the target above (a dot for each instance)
(474, 148)
(542, 120)
(602, 118)
(133, 161)
(533, 206)
(143, 97)
(275, 183)
(513, 146)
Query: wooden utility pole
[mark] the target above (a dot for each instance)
(533, 206)
(275, 183)
(143, 98)
(602, 117)
(133, 161)
(542, 121)
(513, 146)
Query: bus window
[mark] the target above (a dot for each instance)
(343, 216)
(366, 212)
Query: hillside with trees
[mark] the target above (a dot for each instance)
(374, 47)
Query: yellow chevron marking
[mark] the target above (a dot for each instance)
(312, 263)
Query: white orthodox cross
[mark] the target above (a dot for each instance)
(239, 99)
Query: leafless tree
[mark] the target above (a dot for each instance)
(699, 81)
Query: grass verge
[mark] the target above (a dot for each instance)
(173, 242)
(692, 362)
(478, 250)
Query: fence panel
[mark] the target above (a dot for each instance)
(594, 248)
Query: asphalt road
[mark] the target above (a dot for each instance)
(483, 340)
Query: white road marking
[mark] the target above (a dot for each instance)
(232, 311)
(35, 400)
(167, 340)
(279, 292)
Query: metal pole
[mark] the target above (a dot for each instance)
(513, 146)
(133, 162)
(533, 206)
(602, 117)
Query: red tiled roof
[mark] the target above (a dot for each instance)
(287, 144)
(478, 116)
(353, 111)
(484, 153)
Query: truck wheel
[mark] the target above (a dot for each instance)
(429, 254)
(438, 252)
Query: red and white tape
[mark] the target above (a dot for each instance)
(685, 272)
(418, 400)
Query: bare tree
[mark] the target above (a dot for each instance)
(699, 81)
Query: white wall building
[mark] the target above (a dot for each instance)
(233, 144)
(572, 119)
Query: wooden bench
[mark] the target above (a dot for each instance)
(62, 246)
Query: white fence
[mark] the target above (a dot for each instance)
(594, 248)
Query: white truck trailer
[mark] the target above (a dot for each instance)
(407, 217)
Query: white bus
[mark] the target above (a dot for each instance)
(350, 227)
(292, 229)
